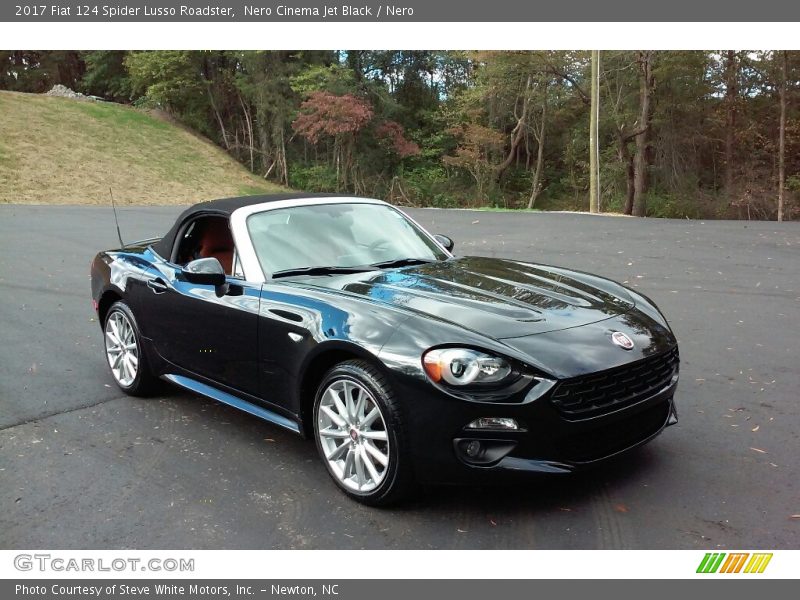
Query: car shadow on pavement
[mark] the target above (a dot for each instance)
(531, 493)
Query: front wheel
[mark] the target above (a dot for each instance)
(360, 434)
(124, 352)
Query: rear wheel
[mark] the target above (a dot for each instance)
(124, 353)
(360, 436)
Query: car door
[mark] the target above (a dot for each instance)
(211, 332)
(288, 332)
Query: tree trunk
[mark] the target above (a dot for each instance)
(730, 119)
(249, 124)
(218, 117)
(263, 138)
(594, 171)
(626, 159)
(536, 185)
(782, 138)
(284, 165)
(518, 133)
(642, 159)
(337, 161)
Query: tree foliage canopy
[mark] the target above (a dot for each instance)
(681, 133)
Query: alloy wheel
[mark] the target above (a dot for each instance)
(353, 436)
(122, 350)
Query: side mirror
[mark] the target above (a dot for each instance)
(445, 241)
(205, 271)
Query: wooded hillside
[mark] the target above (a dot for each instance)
(679, 133)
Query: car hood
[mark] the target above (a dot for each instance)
(494, 297)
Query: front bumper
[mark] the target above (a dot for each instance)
(545, 443)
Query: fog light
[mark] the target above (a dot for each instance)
(482, 452)
(473, 448)
(494, 423)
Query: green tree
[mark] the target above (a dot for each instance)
(106, 75)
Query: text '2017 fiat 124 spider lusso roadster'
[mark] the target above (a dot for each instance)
(342, 319)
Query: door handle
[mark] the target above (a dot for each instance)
(157, 285)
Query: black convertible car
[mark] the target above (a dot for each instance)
(342, 319)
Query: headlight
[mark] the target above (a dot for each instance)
(462, 366)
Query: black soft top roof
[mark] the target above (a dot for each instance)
(223, 207)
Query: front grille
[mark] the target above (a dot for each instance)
(609, 439)
(607, 391)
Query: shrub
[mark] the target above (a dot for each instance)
(317, 178)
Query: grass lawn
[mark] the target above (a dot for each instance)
(64, 151)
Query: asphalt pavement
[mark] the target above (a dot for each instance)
(83, 466)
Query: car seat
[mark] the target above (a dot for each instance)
(216, 241)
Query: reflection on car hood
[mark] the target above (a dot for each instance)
(495, 297)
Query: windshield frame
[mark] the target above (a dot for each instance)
(250, 263)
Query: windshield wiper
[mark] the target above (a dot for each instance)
(321, 271)
(387, 264)
(402, 262)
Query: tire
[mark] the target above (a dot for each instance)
(124, 353)
(360, 435)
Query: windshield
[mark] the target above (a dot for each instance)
(336, 235)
